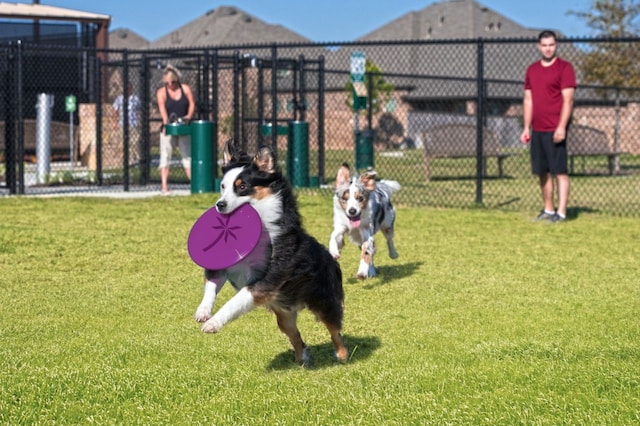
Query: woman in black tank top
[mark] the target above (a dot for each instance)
(176, 108)
(175, 101)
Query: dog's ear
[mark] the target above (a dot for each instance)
(343, 176)
(228, 152)
(265, 160)
(368, 179)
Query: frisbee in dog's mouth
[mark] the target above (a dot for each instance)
(217, 241)
(355, 221)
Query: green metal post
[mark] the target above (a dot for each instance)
(203, 154)
(364, 149)
(298, 154)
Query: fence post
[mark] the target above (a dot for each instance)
(125, 120)
(20, 122)
(321, 106)
(99, 93)
(303, 89)
(10, 117)
(145, 162)
(480, 119)
(238, 142)
(274, 99)
(214, 112)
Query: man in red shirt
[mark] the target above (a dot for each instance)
(549, 87)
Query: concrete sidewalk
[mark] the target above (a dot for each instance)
(106, 192)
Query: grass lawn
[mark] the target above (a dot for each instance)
(486, 318)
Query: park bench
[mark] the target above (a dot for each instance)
(585, 141)
(459, 141)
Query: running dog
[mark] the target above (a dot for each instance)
(299, 273)
(248, 271)
(361, 207)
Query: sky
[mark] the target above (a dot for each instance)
(317, 20)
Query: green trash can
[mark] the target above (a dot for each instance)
(298, 154)
(203, 153)
(364, 149)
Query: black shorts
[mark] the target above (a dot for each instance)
(547, 156)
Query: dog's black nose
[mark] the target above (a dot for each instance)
(221, 205)
(352, 211)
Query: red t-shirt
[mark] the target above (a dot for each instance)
(546, 84)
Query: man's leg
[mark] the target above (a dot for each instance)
(546, 187)
(563, 193)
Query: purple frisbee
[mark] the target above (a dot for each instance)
(217, 241)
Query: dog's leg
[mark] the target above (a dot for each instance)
(287, 324)
(336, 242)
(214, 281)
(388, 234)
(367, 268)
(341, 350)
(238, 305)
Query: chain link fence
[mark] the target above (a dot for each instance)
(441, 117)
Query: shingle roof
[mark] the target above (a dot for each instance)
(42, 11)
(450, 19)
(226, 25)
(124, 38)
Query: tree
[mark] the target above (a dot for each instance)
(612, 64)
(380, 89)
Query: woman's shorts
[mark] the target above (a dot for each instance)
(167, 142)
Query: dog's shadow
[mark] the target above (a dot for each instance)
(322, 356)
(387, 273)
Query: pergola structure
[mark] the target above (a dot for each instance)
(40, 12)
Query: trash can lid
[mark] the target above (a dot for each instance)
(218, 241)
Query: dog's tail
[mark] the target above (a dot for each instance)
(389, 186)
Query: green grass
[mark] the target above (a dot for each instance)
(486, 318)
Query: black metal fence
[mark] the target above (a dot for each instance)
(442, 117)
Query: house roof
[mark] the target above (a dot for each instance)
(450, 19)
(445, 65)
(226, 25)
(42, 11)
(124, 38)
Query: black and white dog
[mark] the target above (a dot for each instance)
(361, 207)
(298, 271)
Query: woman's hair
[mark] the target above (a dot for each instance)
(170, 69)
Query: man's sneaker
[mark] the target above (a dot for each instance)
(544, 216)
(556, 218)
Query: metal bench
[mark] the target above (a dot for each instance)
(459, 141)
(585, 141)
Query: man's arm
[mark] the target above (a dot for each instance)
(527, 114)
(565, 113)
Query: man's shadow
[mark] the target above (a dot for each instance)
(574, 212)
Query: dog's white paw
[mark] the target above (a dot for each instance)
(203, 313)
(336, 256)
(365, 270)
(211, 326)
(306, 358)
